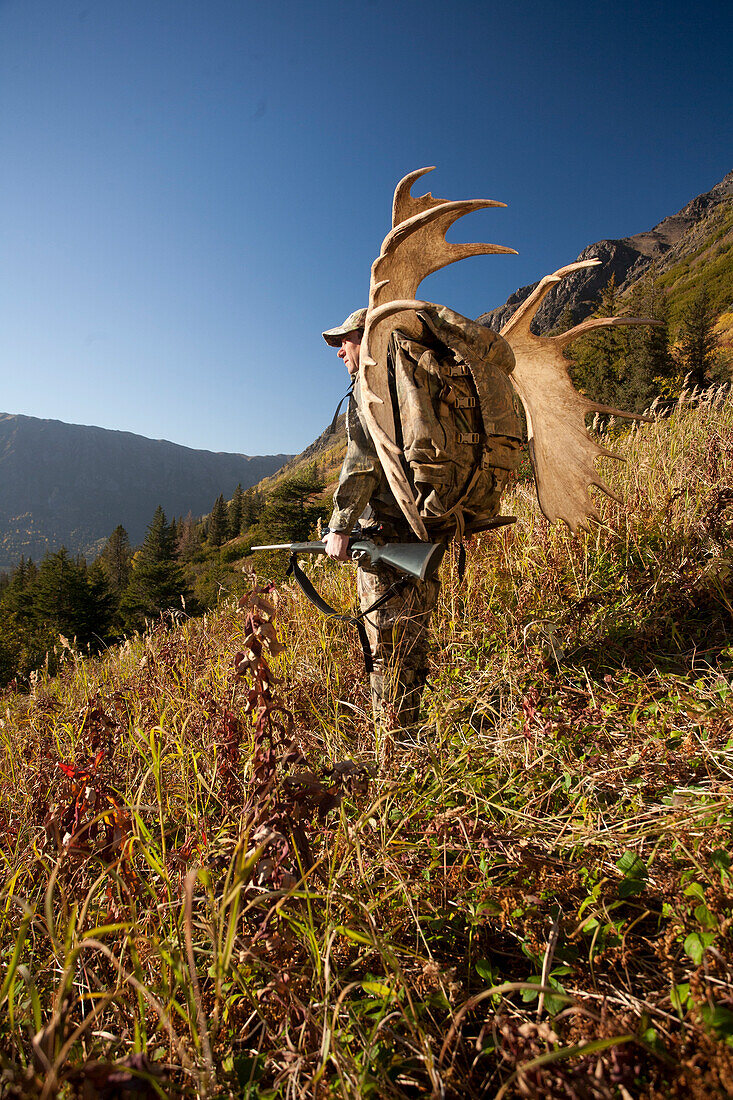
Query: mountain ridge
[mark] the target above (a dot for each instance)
(72, 484)
(628, 259)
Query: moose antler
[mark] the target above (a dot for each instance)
(414, 249)
(562, 451)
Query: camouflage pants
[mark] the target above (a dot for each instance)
(398, 638)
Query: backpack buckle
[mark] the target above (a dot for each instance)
(469, 437)
(457, 369)
(464, 403)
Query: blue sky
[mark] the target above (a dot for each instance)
(190, 192)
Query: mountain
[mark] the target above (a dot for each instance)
(68, 484)
(687, 249)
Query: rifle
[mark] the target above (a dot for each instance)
(418, 560)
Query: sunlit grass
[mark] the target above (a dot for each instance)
(536, 898)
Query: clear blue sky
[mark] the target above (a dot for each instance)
(190, 192)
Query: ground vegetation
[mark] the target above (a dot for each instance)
(209, 888)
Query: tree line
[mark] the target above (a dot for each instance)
(629, 366)
(182, 564)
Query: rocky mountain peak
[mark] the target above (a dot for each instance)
(626, 259)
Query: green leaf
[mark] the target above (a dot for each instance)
(355, 937)
(377, 989)
(720, 859)
(483, 968)
(635, 873)
(679, 995)
(555, 1004)
(718, 1019)
(696, 943)
(529, 995)
(630, 887)
(704, 917)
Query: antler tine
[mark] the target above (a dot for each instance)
(565, 338)
(381, 313)
(563, 451)
(417, 247)
(522, 317)
(404, 205)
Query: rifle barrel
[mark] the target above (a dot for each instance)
(277, 546)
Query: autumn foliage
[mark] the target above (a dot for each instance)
(209, 890)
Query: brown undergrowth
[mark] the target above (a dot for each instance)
(209, 890)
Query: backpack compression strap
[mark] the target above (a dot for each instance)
(357, 621)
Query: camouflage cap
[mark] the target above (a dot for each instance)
(355, 320)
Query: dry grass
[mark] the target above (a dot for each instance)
(536, 900)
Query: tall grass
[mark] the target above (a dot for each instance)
(202, 895)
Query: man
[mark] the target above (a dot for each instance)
(398, 630)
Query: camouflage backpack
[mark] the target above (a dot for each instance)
(456, 421)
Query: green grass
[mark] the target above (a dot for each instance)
(535, 900)
(709, 266)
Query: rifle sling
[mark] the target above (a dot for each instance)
(334, 422)
(325, 608)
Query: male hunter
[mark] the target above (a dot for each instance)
(433, 434)
(398, 630)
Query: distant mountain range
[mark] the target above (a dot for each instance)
(692, 246)
(67, 484)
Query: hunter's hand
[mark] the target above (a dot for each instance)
(337, 545)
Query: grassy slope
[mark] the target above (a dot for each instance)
(709, 263)
(567, 818)
(703, 258)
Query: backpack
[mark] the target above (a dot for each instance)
(456, 421)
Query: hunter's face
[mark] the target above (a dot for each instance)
(349, 351)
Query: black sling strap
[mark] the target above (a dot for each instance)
(332, 425)
(330, 612)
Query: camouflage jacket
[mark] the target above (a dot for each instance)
(460, 452)
(363, 491)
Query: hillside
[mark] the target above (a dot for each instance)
(327, 452)
(534, 900)
(68, 484)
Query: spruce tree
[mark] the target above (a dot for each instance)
(292, 510)
(235, 513)
(697, 340)
(596, 358)
(217, 528)
(116, 560)
(17, 597)
(252, 507)
(101, 607)
(157, 582)
(647, 368)
(60, 595)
